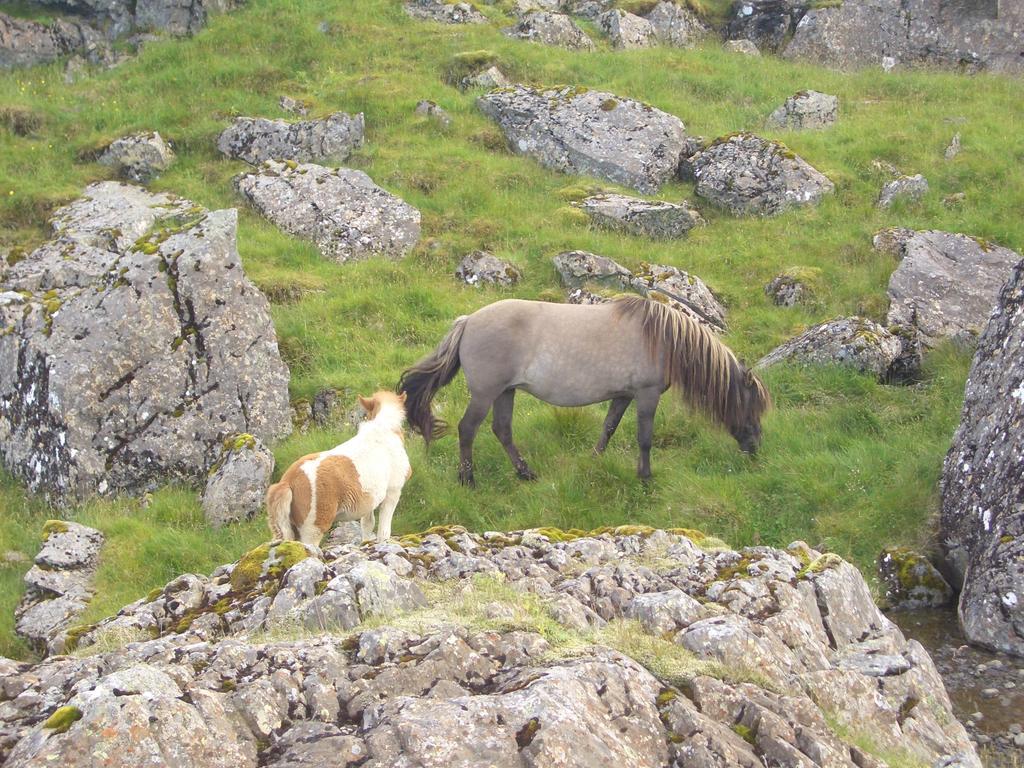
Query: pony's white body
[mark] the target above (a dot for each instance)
(349, 481)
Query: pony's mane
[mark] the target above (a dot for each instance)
(698, 365)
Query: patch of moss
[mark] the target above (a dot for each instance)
(62, 719)
(526, 734)
(51, 527)
(249, 568)
(609, 104)
(154, 594)
(743, 732)
(667, 696)
(74, 635)
(820, 565)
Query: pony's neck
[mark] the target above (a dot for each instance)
(388, 419)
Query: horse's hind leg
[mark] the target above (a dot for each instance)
(474, 416)
(501, 424)
(611, 421)
(646, 407)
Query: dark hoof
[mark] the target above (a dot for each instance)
(526, 474)
(467, 479)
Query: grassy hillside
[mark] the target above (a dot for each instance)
(846, 463)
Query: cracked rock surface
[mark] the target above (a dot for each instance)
(132, 343)
(622, 646)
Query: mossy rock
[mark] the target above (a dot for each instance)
(51, 527)
(911, 581)
(74, 635)
(820, 565)
(62, 719)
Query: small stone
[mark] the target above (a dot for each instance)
(953, 200)
(139, 157)
(1018, 740)
(294, 106)
(1009, 685)
(989, 693)
(1015, 728)
(490, 78)
(480, 267)
(427, 108)
(324, 403)
(805, 110)
(905, 188)
(977, 716)
(746, 47)
(954, 147)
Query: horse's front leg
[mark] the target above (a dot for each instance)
(646, 407)
(501, 425)
(471, 421)
(611, 421)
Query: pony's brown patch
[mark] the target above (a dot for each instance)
(338, 490)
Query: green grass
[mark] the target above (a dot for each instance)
(846, 463)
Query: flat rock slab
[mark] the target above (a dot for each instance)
(152, 286)
(806, 110)
(982, 522)
(578, 131)
(946, 284)
(257, 139)
(855, 342)
(551, 29)
(346, 215)
(655, 219)
(751, 176)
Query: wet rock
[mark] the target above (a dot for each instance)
(446, 13)
(946, 284)
(430, 109)
(152, 285)
(578, 131)
(982, 522)
(855, 342)
(26, 43)
(346, 215)
(749, 175)
(805, 110)
(551, 29)
(744, 46)
(489, 78)
(140, 157)
(675, 25)
(237, 485)
(911, 581)
(257, 139)
(481, 267)
(626, 30)
(892, 33)
(655, 219)
(766, 23)
(58, 587)
(904, 189)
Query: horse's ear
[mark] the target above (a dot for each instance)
(367, 403)
(402, 396)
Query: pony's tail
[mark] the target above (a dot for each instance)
(421, 382)
(279, 509)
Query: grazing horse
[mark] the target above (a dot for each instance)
(350, 480)
(570, 355)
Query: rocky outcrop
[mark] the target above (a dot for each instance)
(26, 43)
(444, 12)
(346, 215)
(173, 17)
(655, 219)
(581, 272)
(946, 284)
(806, 110)
(911, 581)
(483, 268)
(574, 130)
(625, 646)
(891, 33)
(766, 23)
(626, 30)
(152, 286)
(140, 157)
(675, 25)
(59, 585)
(257, 139)
(905, 189)
(236, 487)
(749, 175)
(551, 29)
(982, 522)
(854, 342)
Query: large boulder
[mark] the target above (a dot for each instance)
(749, 175)
(174, 17)
(346, 215)
(766, 23)
(139, 157)
(854, 342)
(257, 139)
(946, 284)
(714, 657)
(655, 219)
(132, 344)
(675, 25)
(982, 522)
(626, 30)
(575, 130)
(25, 43)
(59, 585)
(890, 33)
(551, 29)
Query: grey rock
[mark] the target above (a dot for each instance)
(788, 290)
(911, 581)
(323, 405)
(426, 108)
(257, 139)
(655, 219)
(954, 147)
(551, 29)
(626, 30)
(805, 110)
(237, 484)
(444, 12)
(153, 286)
(580, 268)
(946, 284)
(312, 745)
(906, 188)
(379, 592)
(892, 33)
(664, 612)
(768, 24)
(744, 46)
(749, 175)
(26, 43)
(140, 157)
(675, 25)
(588, 9)
(346, 215)
(488, 79)
(982, 521)
(590, 132)
(480, 267)
(855, 342)
(293, 106)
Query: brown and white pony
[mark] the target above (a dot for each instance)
(574, 354)
(349, 481)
